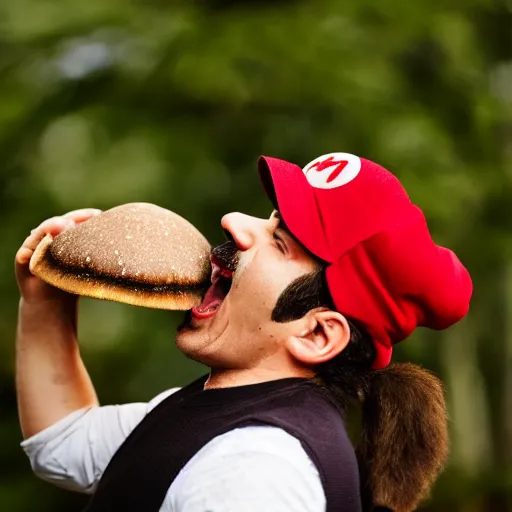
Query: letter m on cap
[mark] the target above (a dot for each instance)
(330, 162)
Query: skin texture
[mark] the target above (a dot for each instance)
(240, 343)
(401, 453)
(51, 379)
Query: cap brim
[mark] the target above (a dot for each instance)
(290, 193)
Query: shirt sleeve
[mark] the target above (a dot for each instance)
(248, 470)
(74, 452)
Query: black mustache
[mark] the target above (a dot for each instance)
(228, 255)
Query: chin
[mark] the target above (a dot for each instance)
(195, 344)
(191, 341)
(185, 338)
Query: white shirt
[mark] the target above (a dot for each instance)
(250, 469)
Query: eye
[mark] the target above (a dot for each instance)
(279, 243)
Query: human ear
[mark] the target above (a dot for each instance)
(326, 333)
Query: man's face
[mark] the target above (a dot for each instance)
(235, 330)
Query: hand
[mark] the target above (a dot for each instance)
(32, 288)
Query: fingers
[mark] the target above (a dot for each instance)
(23, 256)
(56, 225)
(52, 226)
(82, 215)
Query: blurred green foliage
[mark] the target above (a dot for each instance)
(106, 101)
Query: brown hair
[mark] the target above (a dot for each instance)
(403, 444)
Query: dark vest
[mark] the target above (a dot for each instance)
(141, 471)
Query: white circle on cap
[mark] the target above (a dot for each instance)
(332, 170)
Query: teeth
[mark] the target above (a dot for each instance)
(210, 309)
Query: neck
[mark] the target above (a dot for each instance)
(229, 378)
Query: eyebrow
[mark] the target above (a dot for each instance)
(282, 224)
(283, 227)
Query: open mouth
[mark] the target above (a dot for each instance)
(215, 295)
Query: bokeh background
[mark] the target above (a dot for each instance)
(104, 102)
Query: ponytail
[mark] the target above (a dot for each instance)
(404, 441)
(403, 444)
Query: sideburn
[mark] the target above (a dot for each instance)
(301, 295)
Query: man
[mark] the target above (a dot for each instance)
(300, 320)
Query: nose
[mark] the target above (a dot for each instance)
(243, 228)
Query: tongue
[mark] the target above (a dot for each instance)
(213, 298)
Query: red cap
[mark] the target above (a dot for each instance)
(383, 268)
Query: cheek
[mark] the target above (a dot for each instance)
(256, 287)
(259, 281)
(256, 293)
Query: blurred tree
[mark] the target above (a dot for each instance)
(105, 102)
